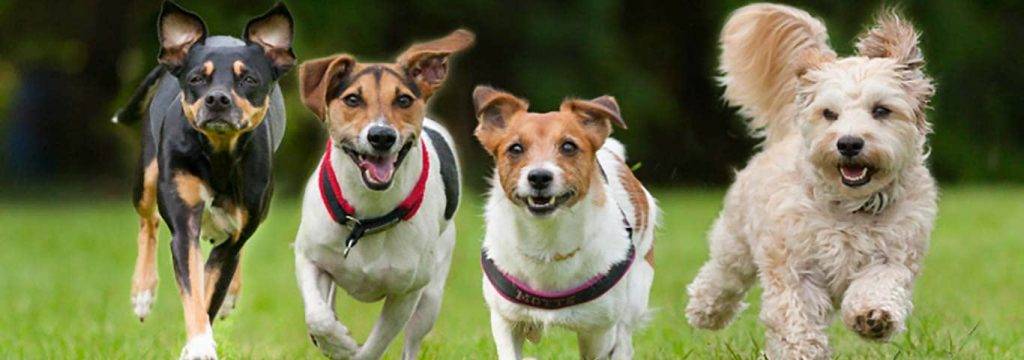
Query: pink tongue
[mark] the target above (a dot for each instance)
(853, 172)
(379, 168)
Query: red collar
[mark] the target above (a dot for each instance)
(345, 214)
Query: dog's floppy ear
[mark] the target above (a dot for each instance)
(494, 108)
(178, 30)
(597, 116)
(318, 76)
(274, 31)
(427, 63)
(895, 38)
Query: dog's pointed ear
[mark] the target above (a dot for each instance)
(274, 32)
(318, 76)
(597, 116)
(178, 30)
(427, 63)
(895, 38)
(494, 109)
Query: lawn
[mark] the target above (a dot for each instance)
(66, 269)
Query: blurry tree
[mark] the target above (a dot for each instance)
(73, 66)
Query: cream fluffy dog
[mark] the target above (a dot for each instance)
(837, 209)
(570, 230)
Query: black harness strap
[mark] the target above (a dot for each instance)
(449, 171)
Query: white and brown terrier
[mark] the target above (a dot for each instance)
(570, 230)
(835, 211)
(377, 215)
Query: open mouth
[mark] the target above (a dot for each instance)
(378, 170)
(854, 175)
(543, 205)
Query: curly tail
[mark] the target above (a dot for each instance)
(763, 46)
(137, 105)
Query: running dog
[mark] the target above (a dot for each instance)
(566, 224)
(836, 211)
(212, 117)
(377, 215)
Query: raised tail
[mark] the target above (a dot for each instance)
(137, 105)
(764, 47)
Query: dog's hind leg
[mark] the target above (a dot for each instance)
(598, 343)
(429, 306)
(234, 290)
(145, 278)
(716, 294)
(393, 316)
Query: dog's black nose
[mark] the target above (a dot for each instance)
(540, 179)
(381, 138)
(217, 100)
(850, 145)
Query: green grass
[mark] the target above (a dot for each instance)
(66, 269)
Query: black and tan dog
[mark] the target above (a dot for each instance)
(212, 117)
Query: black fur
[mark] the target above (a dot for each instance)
(240, 175)
(449, 171)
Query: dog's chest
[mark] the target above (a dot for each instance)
(221, 220)
(841, 248)
(395, 261)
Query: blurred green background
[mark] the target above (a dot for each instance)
(67, 228)
(65, 66)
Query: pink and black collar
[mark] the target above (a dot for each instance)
(343, 212)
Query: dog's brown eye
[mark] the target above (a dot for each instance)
(569, 148)
(249, 80)
(404, 101)
(880, 112)
(196, 79)
(829, 115)
(352, 100)
(515, 150)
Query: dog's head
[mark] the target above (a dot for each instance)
(374, 112)
(544, 161)
(863, 117)
(225, 83)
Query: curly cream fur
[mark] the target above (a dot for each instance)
(815, 244)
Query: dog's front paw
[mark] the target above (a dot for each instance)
(227, 307)
(200, 347)
(331, 337)
(141, 303)
(874, 324)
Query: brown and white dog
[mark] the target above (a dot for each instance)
(566, 219)
(377, 216)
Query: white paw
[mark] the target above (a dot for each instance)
(142, 302)
(331, 337)
(227, 306)
(200, 347)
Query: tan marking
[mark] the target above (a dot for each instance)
(542, 135)
(190, 110)
(145, 276)
(208, 68)
(194, 301)
(239, 67)
(637, 196)
(649, 257)
(190, 188)
(236, 281)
